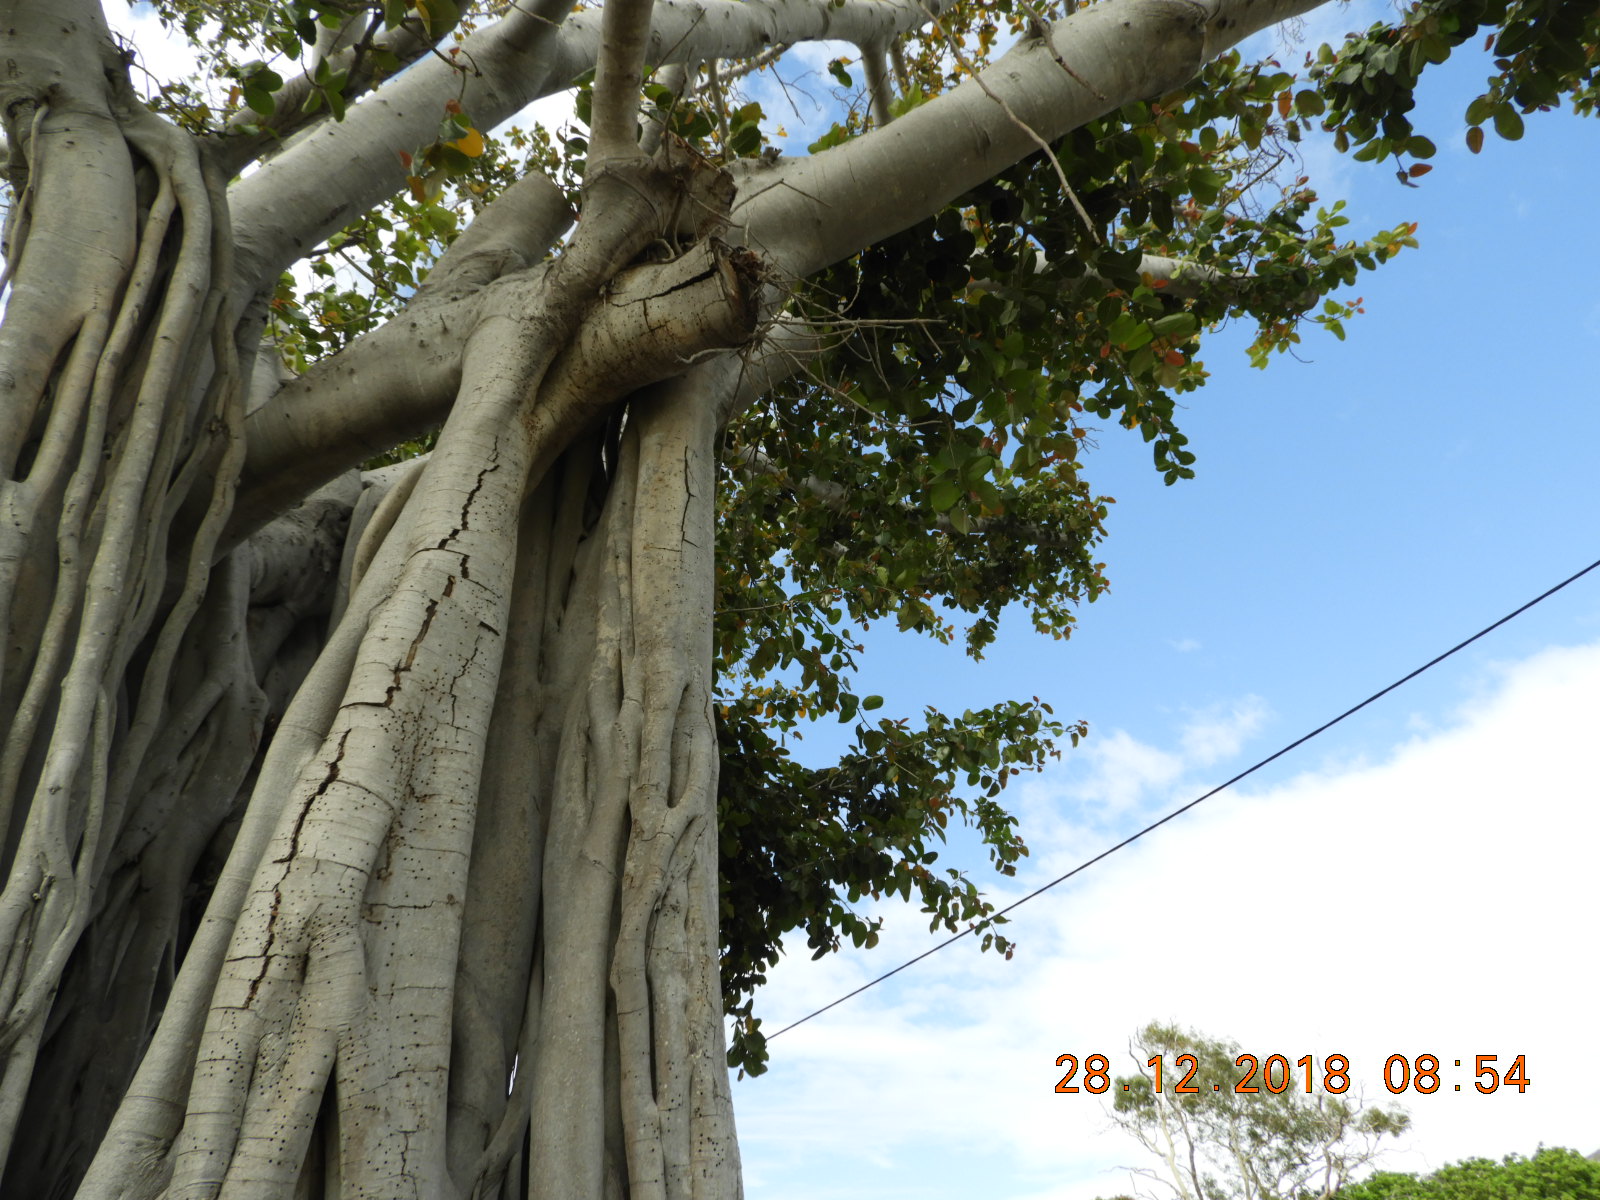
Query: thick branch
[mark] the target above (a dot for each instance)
(1180, 277)
(702, 30)
(619, 72)
(407, 42)
(341, 169)
(398, 382)
(515, 231)
(813, 211)
(876, 68)
(317, 186)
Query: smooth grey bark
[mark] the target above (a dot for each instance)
(331, 804)
(338, 170)
(808, 213)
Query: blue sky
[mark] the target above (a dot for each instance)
(1411, 882)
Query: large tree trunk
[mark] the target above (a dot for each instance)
(499, 756)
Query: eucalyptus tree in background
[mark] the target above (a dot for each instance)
(1226, 1127)
(377, 833)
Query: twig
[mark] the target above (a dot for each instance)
(751, 65)
(719, 97)
(897, 59)
(1033, 135)
(1044, 36)
(877, 83)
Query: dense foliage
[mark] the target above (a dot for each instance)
(1551, 1174)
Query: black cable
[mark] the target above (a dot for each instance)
(1180, 811)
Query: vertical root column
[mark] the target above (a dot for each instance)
(630, 869)
(676, 1111)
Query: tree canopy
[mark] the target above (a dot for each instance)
(1549, 1172)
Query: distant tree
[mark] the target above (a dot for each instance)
(1219, 1143)
(1551, 1174)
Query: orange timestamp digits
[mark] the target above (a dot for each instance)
(1096, 1073)
(1422, 1073)
(1274, 1074)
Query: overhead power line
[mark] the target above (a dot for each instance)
(1178, 812)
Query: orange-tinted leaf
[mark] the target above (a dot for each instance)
(1419, 169)
(1285, 103)
(452, 106)
(1173, 358)
(470, 143)
(418, 192)
(1475, 138)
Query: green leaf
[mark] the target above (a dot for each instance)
(1309, 103)
(1508, 122)
(259, 99)
(836, 136)
(1129, 333)
(1175, 325)
(745, 140)
(944, 494)
(868, 703)
(440, 15)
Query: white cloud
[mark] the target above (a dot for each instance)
(1120, 772)
(1428, 902)
(1221, 732)
(164, 54)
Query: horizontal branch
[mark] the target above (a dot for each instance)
(706, 30)
(335, 172)
(398, 382)
(406, 42)
(809, 212)
(1179, 277)
(339, 170)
